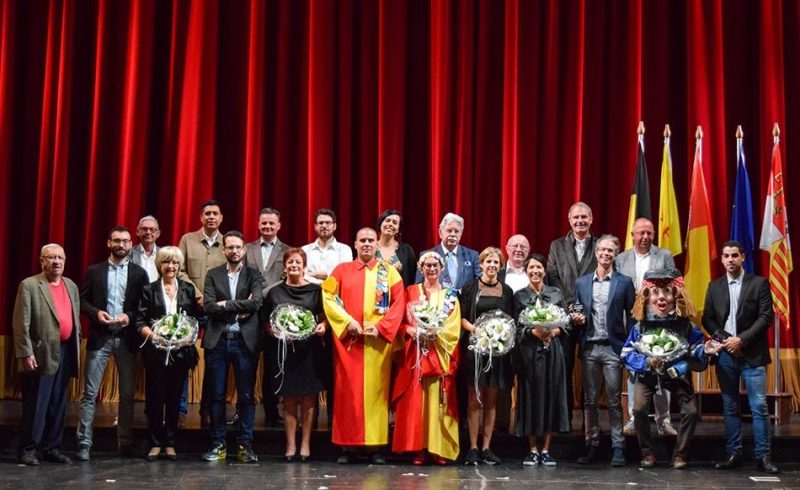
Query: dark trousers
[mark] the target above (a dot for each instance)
(163, 387)
(269, 399)
(569, 344)
(681, 389)
(44, 406)
(231, 352)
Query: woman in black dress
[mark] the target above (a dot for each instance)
(164, 383)
(399, 254)
(542, 390)
(484, 294)
(304, 366)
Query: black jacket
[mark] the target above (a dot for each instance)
(244, 305)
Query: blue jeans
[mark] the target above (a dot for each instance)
(729, 371)
(235, 352)
(96, 362)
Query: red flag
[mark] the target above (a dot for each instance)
(775, 237)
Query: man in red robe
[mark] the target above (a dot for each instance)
(364, 302)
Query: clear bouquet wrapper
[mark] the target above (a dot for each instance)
(662, 343)
(494, 334)
(426, 317)
(174, 331)
(546, 317)
(292, 322)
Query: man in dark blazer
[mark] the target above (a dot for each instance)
(46, 344)
(570, 257)
(266, 256)
(461, 263)
(608, 298)
(110, 298)
(232, 297)
(744, 352)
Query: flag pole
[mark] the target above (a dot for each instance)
(698, 136)
(776, 133)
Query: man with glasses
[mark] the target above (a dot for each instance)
(325, 253)
(233, 337)
(110, 298)
(46, 346)
(144, 254)
(517, 248)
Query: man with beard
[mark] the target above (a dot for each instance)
(46, 345)
(365, 304)
(325, 253)
(233, 337)
(110, 298)
(570, 257)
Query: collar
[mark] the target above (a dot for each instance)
(454, 251)
(607, 278)
(370, 265)
(121, 264)
(228, 268)
(329, 246)
(207, 238)
(647, 254)
(512, 270)
(142, 251)
(739, 278)
(263, 243)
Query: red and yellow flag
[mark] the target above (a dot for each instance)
(775, 236)
(701, 248)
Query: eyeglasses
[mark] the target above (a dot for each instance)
(146, 229)
(431, 266)
(54, 257)
(234, 248)
(324, 223)
(120, 241)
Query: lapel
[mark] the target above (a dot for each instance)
(273, 255)
(128, 285)
(570, 255)
(725, 297)
(44, 288)
(104, 282)
(241, 284)
(587, 294)
(257, 252)
(588, 253)
(611, 290)
(158, 299)
(747, 283)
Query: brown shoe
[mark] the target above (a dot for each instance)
(648, 462)
(679, 463)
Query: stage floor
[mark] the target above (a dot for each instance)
(106, 469)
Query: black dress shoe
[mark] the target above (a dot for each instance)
(733, 461)
(55, 456)
(289, 458)
(766, 466)
(28, 458)
(377, 458)
(591, 455)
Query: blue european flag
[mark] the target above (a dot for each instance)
(742, 212)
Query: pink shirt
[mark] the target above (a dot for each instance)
(63, 308)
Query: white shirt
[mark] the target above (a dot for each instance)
(734, 288)
(210, 239)
(170, 304)
(325, 259)
(642, 265)
(580, 248)
(149, 263)
(266, 249)
(516, 279)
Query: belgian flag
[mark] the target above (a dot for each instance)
(640, 195)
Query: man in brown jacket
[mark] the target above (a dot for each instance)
(46, 342)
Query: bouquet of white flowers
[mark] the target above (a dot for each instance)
(292, 322)
(171, 332)
(426, 317)
(493, 335)
(661, 343)
(546, 317)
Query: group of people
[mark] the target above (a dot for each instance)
(369, 353)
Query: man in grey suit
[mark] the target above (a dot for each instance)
(634, 263)
(46, 345)
(570, 257)
(266, 256)
(144, 254)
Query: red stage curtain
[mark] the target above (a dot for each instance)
(505, 112)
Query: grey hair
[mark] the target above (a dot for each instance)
(149, 217)
(451, 217)
(579, 204)
(49, 245)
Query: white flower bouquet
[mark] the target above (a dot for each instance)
(662, 343)
(174, 331)
(546, 317)
(292, 322)
(426, 317)
(493, 335)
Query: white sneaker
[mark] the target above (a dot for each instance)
(629, 429)
(665, 428)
